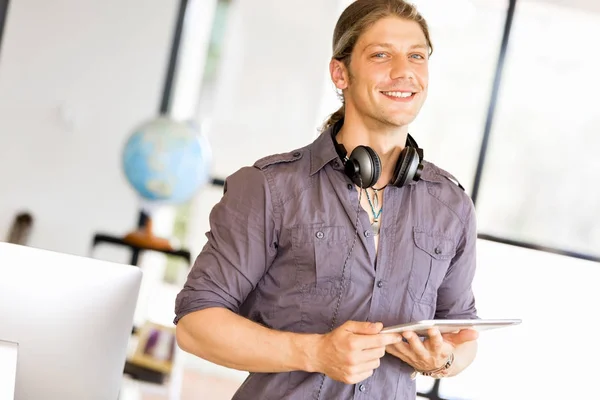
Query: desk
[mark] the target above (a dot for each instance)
(100, 238)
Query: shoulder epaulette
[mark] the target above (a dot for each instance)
(278, 159)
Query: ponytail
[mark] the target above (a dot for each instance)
(334, 118)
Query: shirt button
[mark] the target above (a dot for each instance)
(350, 187)
(380, 284)
(320, 235)
(362, 388)
(336, 164)
(296, 154)
(438, 251)
(367, 233)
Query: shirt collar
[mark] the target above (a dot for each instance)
(322, 151)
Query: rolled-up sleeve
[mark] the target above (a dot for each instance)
(240, 247)
(455, 296)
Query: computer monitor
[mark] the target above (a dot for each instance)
(71, 317)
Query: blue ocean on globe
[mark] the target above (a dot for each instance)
(166, 161)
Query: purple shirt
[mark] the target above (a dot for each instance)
(277, 243)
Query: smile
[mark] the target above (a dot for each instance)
(399, 96)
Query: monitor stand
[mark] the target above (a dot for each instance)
(8, 369)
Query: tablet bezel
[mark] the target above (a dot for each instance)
(451, 325)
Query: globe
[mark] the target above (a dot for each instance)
(166, 161)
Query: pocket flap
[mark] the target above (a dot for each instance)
(318, 234)
(436, 244)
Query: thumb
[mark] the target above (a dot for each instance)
(364, 328)
(465, 335)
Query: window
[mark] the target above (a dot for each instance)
(3, 9)
(539, 184)
(466, 37)
(197, 69)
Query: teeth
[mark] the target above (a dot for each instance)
(398, 94)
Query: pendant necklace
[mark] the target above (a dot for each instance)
(376, 196)
(376, 224)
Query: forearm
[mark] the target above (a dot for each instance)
(225, 338)
(464, 354)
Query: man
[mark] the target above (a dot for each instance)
(297, 279)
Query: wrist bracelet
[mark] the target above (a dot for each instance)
(438, 372)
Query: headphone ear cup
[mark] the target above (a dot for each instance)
(376, 165)
(363, 165)
(406, 167)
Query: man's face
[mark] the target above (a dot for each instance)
(387, 80)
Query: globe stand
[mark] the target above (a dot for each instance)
(143, 237)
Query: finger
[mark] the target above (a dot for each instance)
(377, 341)
(359, 377)
(434, 341)
(370, 355)
(365, 367)
(363, 328)
(416, 345)
(463, 336)
(402, 349)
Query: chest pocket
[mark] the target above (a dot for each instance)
(433, 252)
(319, 252)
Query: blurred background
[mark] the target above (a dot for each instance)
(512, 113)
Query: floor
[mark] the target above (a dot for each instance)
(195, 385)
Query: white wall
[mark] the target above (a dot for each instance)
(76, 76)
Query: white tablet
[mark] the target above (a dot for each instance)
(451, 325)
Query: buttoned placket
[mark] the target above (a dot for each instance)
(380, 265)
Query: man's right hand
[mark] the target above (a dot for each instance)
(351, 352)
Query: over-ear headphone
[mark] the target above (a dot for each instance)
(364, 165)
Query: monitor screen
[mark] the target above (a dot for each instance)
(71, 318)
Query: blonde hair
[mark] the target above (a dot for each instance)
(356, 19)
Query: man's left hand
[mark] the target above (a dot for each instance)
(433, 352)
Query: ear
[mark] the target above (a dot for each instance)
(339, 74)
